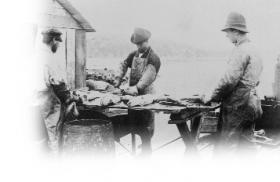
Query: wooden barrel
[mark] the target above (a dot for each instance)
(90, 136)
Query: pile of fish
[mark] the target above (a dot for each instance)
(106, 75)
(102, 93)
(99, 85)
(97, 98)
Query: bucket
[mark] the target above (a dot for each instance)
(88, 134)
(270, 119)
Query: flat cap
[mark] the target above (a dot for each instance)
(140, 35)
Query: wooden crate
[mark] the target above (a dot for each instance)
(209, 122)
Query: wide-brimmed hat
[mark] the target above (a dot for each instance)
(236, 21)
(140, 35)
(54, 33)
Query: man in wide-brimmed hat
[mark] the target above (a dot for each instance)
(145, 65)
(237, 88)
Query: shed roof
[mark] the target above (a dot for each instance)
(76, 15)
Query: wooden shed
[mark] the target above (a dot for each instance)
(60, 14)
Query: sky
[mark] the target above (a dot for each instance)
(195, 22)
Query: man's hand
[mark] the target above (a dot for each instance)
(76, 98)
(131, 90)
(71, 110)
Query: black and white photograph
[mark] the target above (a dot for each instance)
(150, 82)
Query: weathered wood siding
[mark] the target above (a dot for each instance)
(54, 15)
(80, 71)
(72, 50)
(70, 57)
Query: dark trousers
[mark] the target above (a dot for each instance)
(236, 130)
(137, 122)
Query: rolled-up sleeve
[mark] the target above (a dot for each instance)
(150, 73)
(124, 65)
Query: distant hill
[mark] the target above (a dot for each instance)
(108, 46)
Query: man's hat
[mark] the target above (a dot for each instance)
(140, 35)
(236, 21)
(53, 33)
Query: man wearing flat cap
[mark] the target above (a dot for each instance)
(53, 92)
(145, 65)
(236, 90)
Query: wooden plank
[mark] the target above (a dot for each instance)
(80, 50)
(188, 139)
(57, 11)
(58, 21)
(70, 57)
(188, 110)
(76, 15)
(173, 109)
(50, 3)
(53, 7)
(65, 9)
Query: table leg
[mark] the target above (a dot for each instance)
(187, 137)
(133, 143)
(195, 127)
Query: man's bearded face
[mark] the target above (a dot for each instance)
(54, 46)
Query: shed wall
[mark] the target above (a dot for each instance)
(72, 51)
(54, 15)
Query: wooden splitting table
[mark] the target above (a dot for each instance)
(179, 115)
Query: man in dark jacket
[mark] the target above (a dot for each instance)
(237, 89)
(144, 64)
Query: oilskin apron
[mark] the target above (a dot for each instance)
(239, 112)
(142, 121)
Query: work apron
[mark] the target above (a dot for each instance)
(141, 121)
(138, 67)
(238, 118)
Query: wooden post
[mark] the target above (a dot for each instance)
(80, 65)
(133, 142)
(276, 84)
(187, 138)
(70, 57)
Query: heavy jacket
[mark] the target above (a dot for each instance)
(236, 90)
